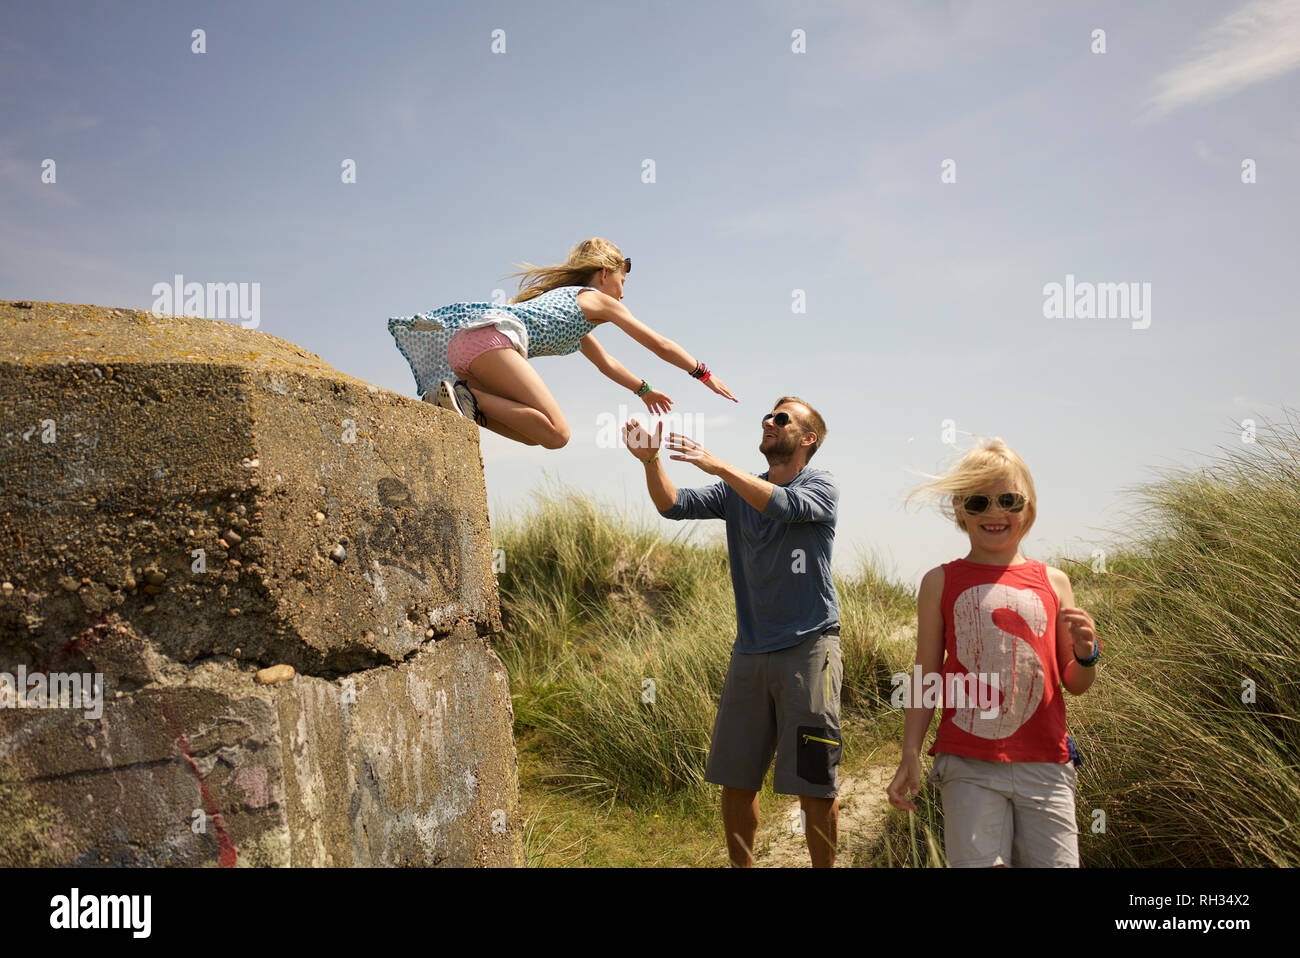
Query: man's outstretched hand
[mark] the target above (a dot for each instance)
(691, 451)
(639, 442)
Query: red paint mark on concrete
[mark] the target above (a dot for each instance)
(228, 854)
(89, 635)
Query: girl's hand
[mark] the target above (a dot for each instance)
(657, 402)
(906, 784)
(716, 384)
(1081, 630)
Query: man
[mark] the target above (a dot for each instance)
(782, 692)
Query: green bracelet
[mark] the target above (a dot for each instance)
(645, 388)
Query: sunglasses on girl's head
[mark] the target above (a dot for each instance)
(779, 418)
(1008, 502)
(627, 265)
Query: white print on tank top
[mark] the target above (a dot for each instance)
(992, 624)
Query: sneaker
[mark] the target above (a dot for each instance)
(446, 397)
(468, 404)
(457, 397)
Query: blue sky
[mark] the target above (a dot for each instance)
(775, 171)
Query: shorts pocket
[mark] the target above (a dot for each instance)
(817, 753)
(936, 769)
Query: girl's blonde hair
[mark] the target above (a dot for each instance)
(588, 257)
(981, 468)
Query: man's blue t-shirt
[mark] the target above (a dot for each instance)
(780, 558)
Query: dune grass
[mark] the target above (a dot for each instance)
(1202, 615)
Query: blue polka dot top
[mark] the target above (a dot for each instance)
(551, 324)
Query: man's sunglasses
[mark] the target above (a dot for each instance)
(1008, 502)
(779, 418)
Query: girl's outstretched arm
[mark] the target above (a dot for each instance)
(916, 722)
(600, 307)
(656, 400)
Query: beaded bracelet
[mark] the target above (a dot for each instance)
(645, 388)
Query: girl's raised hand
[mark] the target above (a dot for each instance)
(717, 385)
(1081, 630)
(657, 402)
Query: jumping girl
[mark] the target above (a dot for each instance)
(1005, 629)
(486, 347)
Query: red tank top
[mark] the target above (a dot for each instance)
(1000, 621)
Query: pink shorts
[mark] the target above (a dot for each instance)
(469, 344)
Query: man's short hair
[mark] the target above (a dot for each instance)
(813, 422)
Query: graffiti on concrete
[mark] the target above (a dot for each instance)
(411, 536)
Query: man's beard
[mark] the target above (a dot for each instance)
(781, 451)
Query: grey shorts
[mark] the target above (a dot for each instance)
(1007, 813)
(785, 702)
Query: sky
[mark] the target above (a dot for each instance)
(916, 175)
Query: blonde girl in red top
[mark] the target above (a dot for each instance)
(1005, 635)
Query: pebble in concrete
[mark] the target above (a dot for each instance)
(274, 674)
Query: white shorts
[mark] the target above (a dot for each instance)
(1007, 813)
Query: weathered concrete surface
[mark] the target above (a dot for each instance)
(184, 502)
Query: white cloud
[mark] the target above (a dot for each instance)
(1257, 42)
